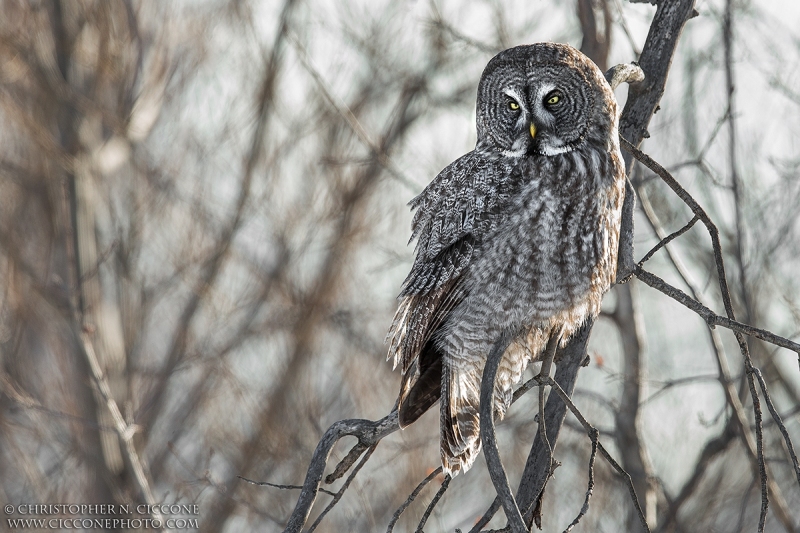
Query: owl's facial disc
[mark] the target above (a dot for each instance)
(548, 134)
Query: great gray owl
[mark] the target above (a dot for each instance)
(519, 236)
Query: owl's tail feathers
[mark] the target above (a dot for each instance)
(460, 422)
(421, 386)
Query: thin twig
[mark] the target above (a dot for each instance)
(411, 498)
(544, 374)
(711, 318)
(345, 485)
(590, 487)
(666, 240)
(777, 418)
(591, 430)
(433, 503)
(762, 464)
(277, 486)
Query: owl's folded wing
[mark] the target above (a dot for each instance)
(448, 216)
(452, 214)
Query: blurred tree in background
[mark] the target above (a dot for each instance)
(203, 228)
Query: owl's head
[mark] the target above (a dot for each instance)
(543, 99)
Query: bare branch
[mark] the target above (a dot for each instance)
(489, 439)
(124, 430)
(366, 431)
(284, 487)
(539, 465)
(434, 501)
(345, 485)
(777, 418)
(593, 434)
(666, 240)
(411, 498)
(709, 316)
(590, 488)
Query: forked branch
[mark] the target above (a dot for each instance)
(728, 321)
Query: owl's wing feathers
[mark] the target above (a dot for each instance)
(452, 216)
(443, 225)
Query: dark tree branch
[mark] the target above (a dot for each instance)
(711, 318)
(655, 61)
(642, 103)
(547, 362)
(539, 466)
(489, 439)
(366, 431)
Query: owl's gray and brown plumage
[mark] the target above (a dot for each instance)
(518, 236)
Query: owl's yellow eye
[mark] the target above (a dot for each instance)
(513, 105)
(553, 99)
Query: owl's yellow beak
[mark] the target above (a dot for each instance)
(533, 130)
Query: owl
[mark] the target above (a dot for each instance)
(518, 237)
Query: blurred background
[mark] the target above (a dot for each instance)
(203, 208)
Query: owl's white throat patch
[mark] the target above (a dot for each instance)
(549, 149)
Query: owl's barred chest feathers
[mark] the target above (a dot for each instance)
(518, 237)
(576, 199)
(545, 261)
